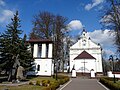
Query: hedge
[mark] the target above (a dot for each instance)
(51, 85)
(54, 85)
(109, 82)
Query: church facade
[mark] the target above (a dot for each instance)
(86, 55)
(42, 54)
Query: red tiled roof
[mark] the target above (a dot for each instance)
(40, 41)
(84, 55)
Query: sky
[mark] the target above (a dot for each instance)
(80, 13)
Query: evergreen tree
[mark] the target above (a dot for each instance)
(12, 48)
(25, 55)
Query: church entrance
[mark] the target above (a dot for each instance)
(86, 55)
(84, 63)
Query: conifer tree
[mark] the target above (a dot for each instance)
(13, 47)
(25, 54)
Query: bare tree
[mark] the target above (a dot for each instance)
(111, 19)
(42, 25)
(49, 26)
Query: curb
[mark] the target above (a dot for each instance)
(63, 86)
(103, 85)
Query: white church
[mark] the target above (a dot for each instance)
(42, 54)
(86, 55)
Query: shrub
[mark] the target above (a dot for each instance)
(108, 82)
(52, 87)
(110, 78)
(45, 82)
(37, 82)
(31, 83)
(63, 79)
(54, 84)
(48, 81)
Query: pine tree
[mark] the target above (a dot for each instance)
(12, 48)
(25, 54)
(9, 44)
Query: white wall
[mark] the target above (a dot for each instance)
(45, 61)
(45, 67)
(35, 50)
(91, 47)
(88, 65)
(112, 75)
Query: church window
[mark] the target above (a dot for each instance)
(47, 47)
(84, 42)
(32, 45)
(40, 50)
(38, 67)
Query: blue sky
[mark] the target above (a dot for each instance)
(72, 9)
(80, 13)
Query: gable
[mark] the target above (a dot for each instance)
(85, 43)
(84, 55)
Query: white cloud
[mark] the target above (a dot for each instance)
(93, 4)
(5, 14)
(107, 20)
(2, 3)
(106, 39)
(109, 52)
(75, 25)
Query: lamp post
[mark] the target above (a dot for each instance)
(113, 65)
(55, 53)
(57, 63)
(56, 70)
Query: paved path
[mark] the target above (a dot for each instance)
(14, 84)
(82, 84)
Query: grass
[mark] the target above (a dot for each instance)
(42, 78)
(23, 87)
